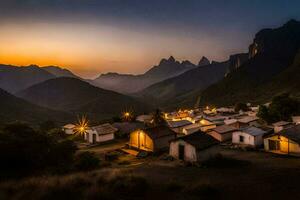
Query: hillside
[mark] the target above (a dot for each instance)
(13, 78)
(16, 109)
(79, 97)
(198, 78)
(126, 83)
(266, 73)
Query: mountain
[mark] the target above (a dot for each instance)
(198, 78)
(203, 61)
(13, 78)
(16, 78)
(59, 72)
(79, 97)
(16, 109)
(125, 83)
(269, 70)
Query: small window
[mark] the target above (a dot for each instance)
(241, 138)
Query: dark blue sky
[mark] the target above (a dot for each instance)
(132, 35)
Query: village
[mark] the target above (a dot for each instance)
(188, 136)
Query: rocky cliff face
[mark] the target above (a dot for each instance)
(270, 54)
(281, 43)
(236, 60)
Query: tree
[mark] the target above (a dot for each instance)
(158, 118)
(263, 113)
(282, 107)
(241, 107)
(47, 126)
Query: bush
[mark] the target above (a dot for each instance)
(86, 161)
(283, 107)
(47, 126)
(110, 156)
(241, 107)
(24, 151)
(57, 134)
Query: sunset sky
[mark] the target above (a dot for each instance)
(91, 37)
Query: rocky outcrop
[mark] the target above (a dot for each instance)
(236, 60)
(204, 61)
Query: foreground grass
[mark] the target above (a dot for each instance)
(236, 175)
(108, 184)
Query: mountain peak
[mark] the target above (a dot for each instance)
(203, 61)
(171, 59)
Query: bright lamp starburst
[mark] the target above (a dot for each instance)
(82, 125)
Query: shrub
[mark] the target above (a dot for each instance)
(240, 107)
(110, 156)
(86, 161)
(24, 151)
(47, 126)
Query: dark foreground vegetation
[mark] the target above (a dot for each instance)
(221, 177)
(282, 107)
(25, 151)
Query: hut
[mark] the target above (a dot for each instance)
(296, 119)
(246, 121)
(222, 133)
(69, 129)
(101, 133)
(278, 126)
(144, 118)
(286, 141)
(194, 147)
(249, 136)
(177, 126)
(152, 139)
(192, 128)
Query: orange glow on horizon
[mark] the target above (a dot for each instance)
(90, 49)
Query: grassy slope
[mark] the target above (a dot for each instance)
(16, 109)
(70, 94)
(174, 89)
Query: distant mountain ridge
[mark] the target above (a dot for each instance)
(59, 72)
(13, 78)
(127, 84)
(16, 78)
(199, 78)
(79, 97)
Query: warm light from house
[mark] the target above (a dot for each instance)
(202, 121)
(82, 126)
